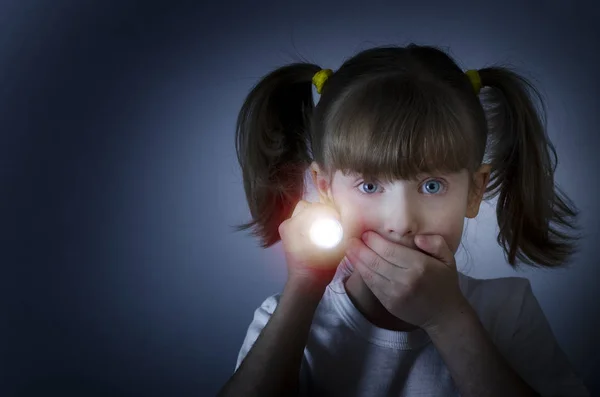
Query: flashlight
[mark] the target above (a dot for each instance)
(326, 233)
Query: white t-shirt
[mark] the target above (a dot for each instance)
(347, 356)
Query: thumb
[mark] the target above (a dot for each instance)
(435, 245)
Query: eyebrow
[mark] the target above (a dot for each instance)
(449, 176)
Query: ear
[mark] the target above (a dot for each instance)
(481, 179)
(321, 182)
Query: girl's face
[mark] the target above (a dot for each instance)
(398, 211)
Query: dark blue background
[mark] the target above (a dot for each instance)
(120, 274)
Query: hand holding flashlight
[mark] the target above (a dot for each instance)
(313, 241)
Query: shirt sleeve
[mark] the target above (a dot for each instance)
(260, 320)
(533, 352)
(261, 317)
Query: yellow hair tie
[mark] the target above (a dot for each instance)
(320, 78)
(322, 75)
(475, 79)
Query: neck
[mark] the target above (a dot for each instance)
(371, 308)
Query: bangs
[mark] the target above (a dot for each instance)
(399, 130)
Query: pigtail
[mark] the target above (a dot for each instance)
(271, 145)
(535, 217)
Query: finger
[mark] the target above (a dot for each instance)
(436, 246)
(398, 255)
(360, 254)
(377, 283)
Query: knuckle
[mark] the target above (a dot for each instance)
(410, 291)
(302, 204)
(388, 252)
(417, 280)
(413, 281)
(366, 275)
(396, 293)
(281, 228)
(374, 264)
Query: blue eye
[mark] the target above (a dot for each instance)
(433, 186)
(373, 187)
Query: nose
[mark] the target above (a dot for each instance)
(401, 217)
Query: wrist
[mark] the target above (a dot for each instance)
(311, 278)
(308, 288)
(451, 319)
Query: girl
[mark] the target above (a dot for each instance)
(401, 147)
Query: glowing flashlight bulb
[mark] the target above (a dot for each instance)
(326, 233)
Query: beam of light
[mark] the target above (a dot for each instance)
(326, 233)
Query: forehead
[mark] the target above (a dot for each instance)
(346, 176)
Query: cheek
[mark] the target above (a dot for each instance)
(453, 234)
(454, 237)
(354, 221)
(450, 226)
